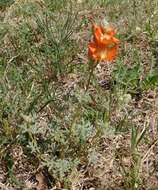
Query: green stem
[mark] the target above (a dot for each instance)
(89, 79)
(92, 66)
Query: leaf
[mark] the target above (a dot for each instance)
(150, 79)
(141, 135)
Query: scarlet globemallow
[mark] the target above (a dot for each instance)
(103, 46)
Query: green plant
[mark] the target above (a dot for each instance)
(131, 174)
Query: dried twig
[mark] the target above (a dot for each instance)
(147, 153)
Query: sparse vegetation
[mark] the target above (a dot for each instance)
(60, 128)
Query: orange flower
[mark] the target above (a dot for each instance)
(101, 53)
(104, 45)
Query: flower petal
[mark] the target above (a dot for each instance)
(104, 46)
(111, 53)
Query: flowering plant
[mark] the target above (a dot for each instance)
(104, 45)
